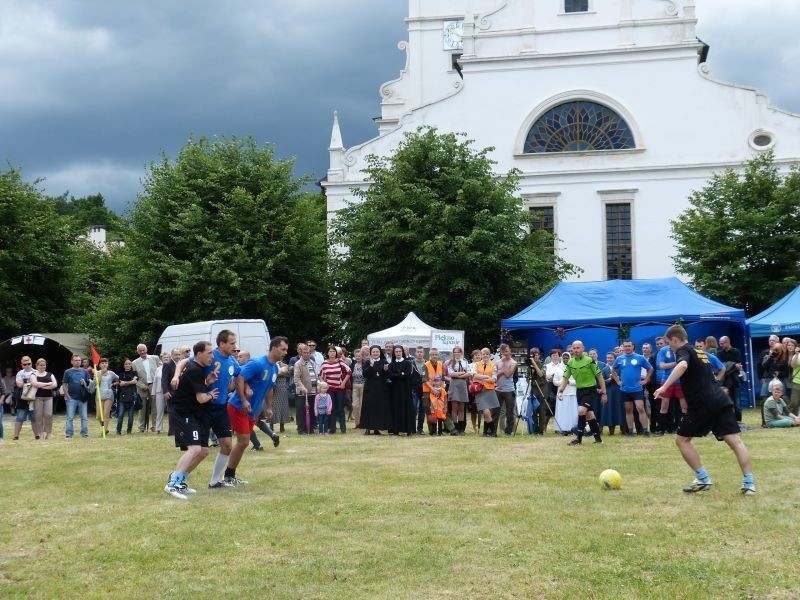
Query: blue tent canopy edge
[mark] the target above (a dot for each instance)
(782, 318)
(616, 302)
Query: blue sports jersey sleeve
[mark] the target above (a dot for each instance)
(715, 362)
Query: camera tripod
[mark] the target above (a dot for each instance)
(528, 396)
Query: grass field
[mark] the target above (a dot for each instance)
(365, 517)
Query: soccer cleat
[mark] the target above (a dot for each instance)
(276, 439)
(697, 486)
(598, 440)
(220, 484)
(233, 482)
(175, 492)
(748, 489)
(185, 489)
(574, 443)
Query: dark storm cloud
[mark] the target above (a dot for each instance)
(101, 88)
(93, 91)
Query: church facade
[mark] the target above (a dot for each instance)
(606, 107)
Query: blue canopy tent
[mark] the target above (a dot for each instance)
(600, 313)
(782, 318)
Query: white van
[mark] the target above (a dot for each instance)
(251, 334)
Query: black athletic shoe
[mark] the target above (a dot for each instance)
(574, 443)
(697, 486)
(276, 439)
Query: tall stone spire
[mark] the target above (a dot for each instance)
(336, 151)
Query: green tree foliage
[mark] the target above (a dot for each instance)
(438, 233)
(91, 211)
(739, 242)
(223, 231)
(43, 263)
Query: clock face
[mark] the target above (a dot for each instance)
(452, 32)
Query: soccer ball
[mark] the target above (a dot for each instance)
(610, 480)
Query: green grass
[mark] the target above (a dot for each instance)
(365, 517)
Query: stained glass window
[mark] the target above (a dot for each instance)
(619, 249)
(579, 126)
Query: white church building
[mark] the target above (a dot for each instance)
(607, 108)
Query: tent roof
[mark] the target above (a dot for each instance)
(618, 301)
(410, 331)
(783, 317)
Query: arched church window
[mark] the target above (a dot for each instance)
(579, 126)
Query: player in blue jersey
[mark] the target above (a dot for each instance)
(628, 367)
(254, 387)
(665, 362)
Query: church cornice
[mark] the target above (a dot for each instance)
(526, 60)
(705, 72)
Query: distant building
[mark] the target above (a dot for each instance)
(97, 236)
(607, 108)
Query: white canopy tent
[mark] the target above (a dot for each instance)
(411, 331)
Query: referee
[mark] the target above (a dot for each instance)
(588, 379)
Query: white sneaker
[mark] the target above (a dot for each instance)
(233, 482)
(748, 489)
(175, 492)
(185, 489)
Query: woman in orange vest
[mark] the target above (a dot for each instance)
(485, 373)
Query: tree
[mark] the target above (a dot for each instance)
(89, 211)
(437, 232)
(739, 242)
(224, 231)
(40, 252)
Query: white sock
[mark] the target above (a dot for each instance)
(219, 467)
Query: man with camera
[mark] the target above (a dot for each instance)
(537, 380)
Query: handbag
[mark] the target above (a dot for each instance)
(432, 420)
(28, 392)
(475, 387)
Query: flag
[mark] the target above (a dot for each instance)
(98, 399)
(95, 355)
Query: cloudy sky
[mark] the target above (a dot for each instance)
(92, 91)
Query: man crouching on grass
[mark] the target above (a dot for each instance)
(190, 422)
(258, 378)
(708, 409)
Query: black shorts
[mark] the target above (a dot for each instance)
(631, 396)
(219, 421)
(719, 421)
(587, 398)
(190, 428)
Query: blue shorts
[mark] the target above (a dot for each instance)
(218, 420)
(24, 411)
(631, 396)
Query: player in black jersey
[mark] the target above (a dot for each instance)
(709, 410)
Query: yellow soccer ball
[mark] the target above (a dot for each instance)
(610, 480)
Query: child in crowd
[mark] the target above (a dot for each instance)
(439, 403)
(776, 413)
(323, 404)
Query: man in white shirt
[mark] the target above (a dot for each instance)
(145, 367)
